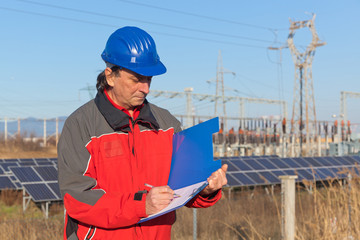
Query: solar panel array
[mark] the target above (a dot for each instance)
(265, 170)
(38, 176)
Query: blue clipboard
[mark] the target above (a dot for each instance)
(192, 157)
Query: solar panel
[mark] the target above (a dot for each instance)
(279, 163)
(6, 183)
(271, 178)
(25, 174)
(56, 189)
(40, 192)
(266, 163)
(244, 179)
(47, 173)
(254, 164)
(248, 171)
(5, 165)
(242, 165)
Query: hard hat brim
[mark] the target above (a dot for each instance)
(149, 71)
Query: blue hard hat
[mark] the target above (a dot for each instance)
(134, 49)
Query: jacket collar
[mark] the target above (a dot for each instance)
(118, 120)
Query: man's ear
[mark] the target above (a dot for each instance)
(109, 77)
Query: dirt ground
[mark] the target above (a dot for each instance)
(8, 153)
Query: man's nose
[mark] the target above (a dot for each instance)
(145, 87)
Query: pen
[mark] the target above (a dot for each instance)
(151, 186)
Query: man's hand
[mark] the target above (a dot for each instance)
(216, 181)
(158, 198)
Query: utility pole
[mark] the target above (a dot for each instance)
(303, 85)
(189, 107)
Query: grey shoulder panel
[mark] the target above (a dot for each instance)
(165, 118)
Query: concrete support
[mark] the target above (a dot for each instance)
(288, 207)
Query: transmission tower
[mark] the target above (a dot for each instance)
(303, 101)
(220, 88)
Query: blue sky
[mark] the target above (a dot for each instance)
(50, 50)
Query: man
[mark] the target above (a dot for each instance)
(114, 145)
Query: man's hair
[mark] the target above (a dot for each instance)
(101, 82)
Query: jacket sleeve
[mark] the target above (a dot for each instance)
(204, 202)
(83, 199)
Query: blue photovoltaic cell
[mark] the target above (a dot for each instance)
(6, 165)
(326, 172)
(356, 158)
(232, 181)
(55, 188)
(340, 172)
(278, 173)
(26, 164)
(6, 183)
(39, 192)
(292, 163)
(232, 167)
(48, 173)
(1, 171)
(270, 177)
(312, 162)
(256, 178)
(322, 161)
(350, 159)
(11, 160)
(28, 160)
(343, 161)
(301, 162)
(25, 174)
(47, 163)
(333, 161)
(244, 179)
(241, 165)
(279, 163)
(266, 162)
(306, 173)
(254, 164)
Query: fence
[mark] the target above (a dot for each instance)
(32, 129)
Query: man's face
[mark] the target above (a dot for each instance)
(128, 89)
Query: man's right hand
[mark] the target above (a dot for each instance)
(158, 198)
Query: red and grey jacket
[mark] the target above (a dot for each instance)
(104, 159)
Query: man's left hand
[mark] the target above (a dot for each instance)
(216, 181)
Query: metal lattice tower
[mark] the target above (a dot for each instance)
(220, 87)
(303, 100)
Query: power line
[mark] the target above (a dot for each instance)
(115, 26)
(199, 16)
(142, 21)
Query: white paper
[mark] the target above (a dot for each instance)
(185, 194)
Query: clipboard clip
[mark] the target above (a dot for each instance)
(196, 191)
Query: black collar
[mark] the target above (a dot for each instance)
(119, 120)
